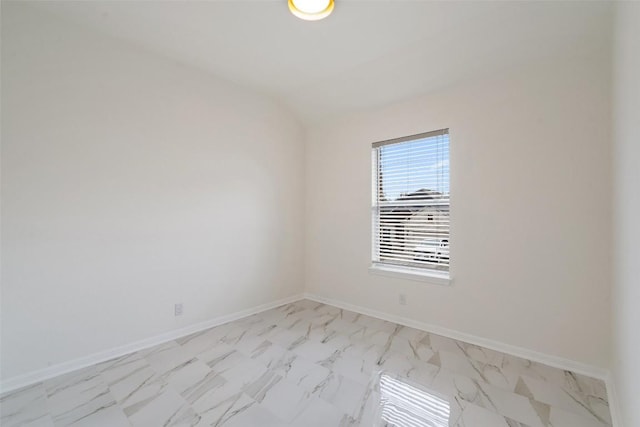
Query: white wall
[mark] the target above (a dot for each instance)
(626, 289)
(530, 210)
(129, 183)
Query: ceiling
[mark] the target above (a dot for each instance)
(365, 55)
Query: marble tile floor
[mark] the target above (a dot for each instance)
(307, 364)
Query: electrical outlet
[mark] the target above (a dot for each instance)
(177, 309)
(402, 299)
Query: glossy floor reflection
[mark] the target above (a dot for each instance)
(404, 403)
(310, 364)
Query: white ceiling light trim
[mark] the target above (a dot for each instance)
(311, 10)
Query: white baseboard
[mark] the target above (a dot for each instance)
(82, 362)
(614, 403)
(554, 361)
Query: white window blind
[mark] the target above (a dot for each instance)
(411, 202)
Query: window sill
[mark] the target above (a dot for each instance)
(436, 277)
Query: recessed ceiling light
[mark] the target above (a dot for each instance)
(311, 10)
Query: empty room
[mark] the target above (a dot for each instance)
(319, 213)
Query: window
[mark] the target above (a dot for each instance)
(411, 204)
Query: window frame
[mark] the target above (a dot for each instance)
(377, 267)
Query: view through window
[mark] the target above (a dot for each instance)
(411, 202)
